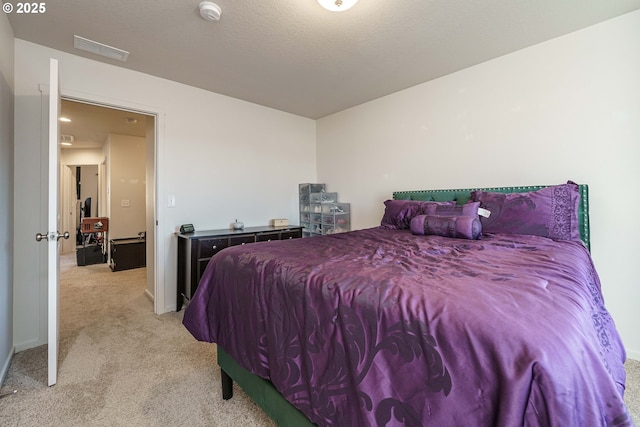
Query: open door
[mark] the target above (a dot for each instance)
(53, 220)
(53, 250)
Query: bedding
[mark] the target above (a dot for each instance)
(381, 327)
(459, 227)
(462, 196)
(448, 220)
(398, 213)
(549, 212)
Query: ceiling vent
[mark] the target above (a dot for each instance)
(67, 138)
(99, 48)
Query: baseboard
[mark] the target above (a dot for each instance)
(5, 366)
(169, 309)
(17, 348)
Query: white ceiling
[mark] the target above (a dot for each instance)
(91, 125)
(294, 56)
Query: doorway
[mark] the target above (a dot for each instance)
(112, 149)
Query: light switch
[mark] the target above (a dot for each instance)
(171, 202)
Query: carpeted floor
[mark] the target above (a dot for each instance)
(632, 393)
(121, 365)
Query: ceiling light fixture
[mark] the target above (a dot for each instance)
(131, 120)
(210, 11)
(99, 48)
(337, 5)
(64, 119)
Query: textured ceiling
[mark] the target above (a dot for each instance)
(294, 56)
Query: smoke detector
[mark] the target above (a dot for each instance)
(210, 11)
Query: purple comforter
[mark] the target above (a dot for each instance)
(382, 328)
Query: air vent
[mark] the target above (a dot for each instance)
(99, 48)
(67, 138)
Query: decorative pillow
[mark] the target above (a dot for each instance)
(468, 209)
(548, 212)
(458, 226)
(398, 213)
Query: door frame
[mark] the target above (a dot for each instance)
(158, 296)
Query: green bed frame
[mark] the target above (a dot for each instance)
(262, 391)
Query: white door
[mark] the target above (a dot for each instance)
(53, 250)
(53, 235)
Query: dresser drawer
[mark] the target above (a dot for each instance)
(291, 234)
(266, 237)
(209, 247)
(241, 240)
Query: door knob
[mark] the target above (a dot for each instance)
(57, 235)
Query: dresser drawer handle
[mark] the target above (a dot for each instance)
(244, 243)
(215, 247)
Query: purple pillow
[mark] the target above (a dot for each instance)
(549, 212)
(398, 213)
(458, 226)
(468, 209)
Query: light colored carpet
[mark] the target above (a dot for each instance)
(632, 393)
(121, 365)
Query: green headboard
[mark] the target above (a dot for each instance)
(461, 196)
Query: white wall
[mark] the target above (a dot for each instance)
(89, 187)
(69, 209)
(220, 157)
(6, 195)
(565, 109)
(82, 156)
(69, 159)
(127, 186)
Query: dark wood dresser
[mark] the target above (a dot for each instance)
(196, 249)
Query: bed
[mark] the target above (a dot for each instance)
(474, 307)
